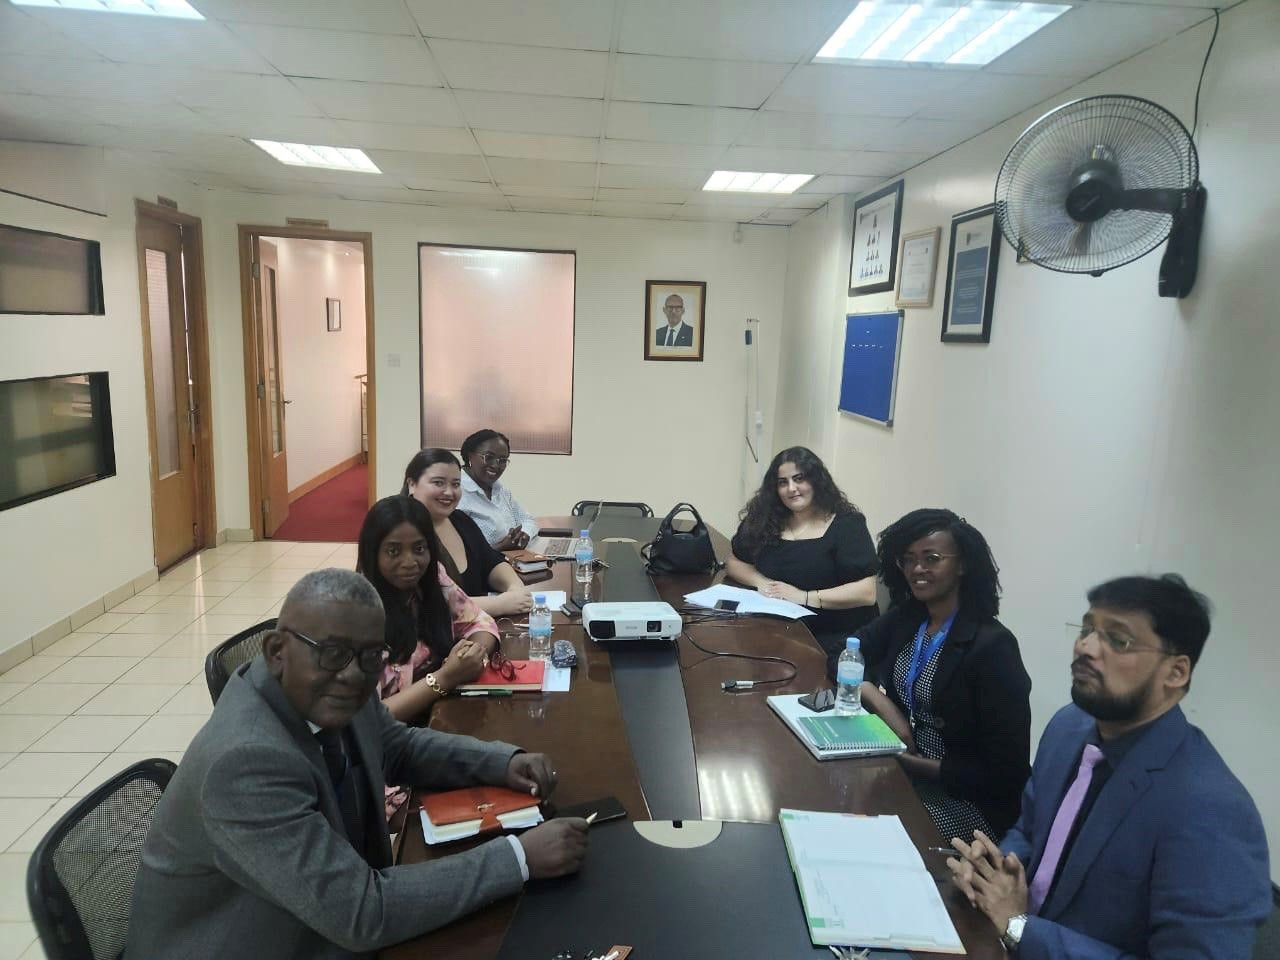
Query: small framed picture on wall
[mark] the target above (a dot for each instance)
(333, 314)
(971, 276)
(918, 267)
(675, 314)
(877, 219)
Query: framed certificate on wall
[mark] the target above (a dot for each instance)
(877, 218)
(918, 267)
(971, 276)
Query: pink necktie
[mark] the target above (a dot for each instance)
(1061, 829)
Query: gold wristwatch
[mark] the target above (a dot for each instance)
(1012, 935)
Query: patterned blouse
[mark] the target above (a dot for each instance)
(467, 619)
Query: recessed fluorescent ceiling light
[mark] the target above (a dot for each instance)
(735, 181)
(329, 158)
(147, 8)
(964, 32)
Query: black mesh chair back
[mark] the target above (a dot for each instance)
(224, 659)
(583, 507)
(80, 879)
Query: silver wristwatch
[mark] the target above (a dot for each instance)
(1012, 935)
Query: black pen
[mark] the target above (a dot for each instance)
(948, 851)
(485, 693)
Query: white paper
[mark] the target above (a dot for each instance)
(555, 598)
(556, 679)
(749, 601)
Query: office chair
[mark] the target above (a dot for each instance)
(80, 879)
(583, 507)
(226, 657)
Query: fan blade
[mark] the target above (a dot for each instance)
(1079, 245)
(1156, 199)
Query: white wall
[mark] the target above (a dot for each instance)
(1104, 430)
(658, 432)
(63, 552)
(322, 425)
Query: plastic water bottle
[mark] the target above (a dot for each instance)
(540, 628)
(849, 672)
(582, 557)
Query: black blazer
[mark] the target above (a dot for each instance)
(981, 695)
(684, 336)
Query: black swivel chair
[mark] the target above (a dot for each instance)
(583, 507)
(80, 879)
(228, 656)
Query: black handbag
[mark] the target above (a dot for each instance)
(681, 551)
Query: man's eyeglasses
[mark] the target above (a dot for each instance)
(494, 461)
(334, 657)
(929, 561)
(1119, 643)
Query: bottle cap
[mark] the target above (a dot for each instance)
(853, 643)
(539, 598)
(585, 533)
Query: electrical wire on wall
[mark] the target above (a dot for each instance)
(1195, 118)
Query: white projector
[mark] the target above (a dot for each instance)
(647, 620)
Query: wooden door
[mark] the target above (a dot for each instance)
(271, 397)
(170, 409)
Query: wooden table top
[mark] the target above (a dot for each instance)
(749, 765)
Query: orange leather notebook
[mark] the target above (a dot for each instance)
(528, 677)
(455, 814)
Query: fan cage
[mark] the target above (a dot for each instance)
(1149, 145)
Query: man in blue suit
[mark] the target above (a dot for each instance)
(1137, 839)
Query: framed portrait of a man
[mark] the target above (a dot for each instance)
(675, 313)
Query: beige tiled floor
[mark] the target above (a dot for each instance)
(124, 687)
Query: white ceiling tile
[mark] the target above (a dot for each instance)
(381, 102)
(639, 211)
(781, 218)
(521, 69)
(200, 44)
(316, 130)
(372, 16)
(554, 172)
(990, 97)
(669, 195)
(446, 199)
(399, 136)
(231, 152)
(862, 91)
(251, 94)
(675, 124)
(550, 205)
(1091, 37)
(534, 146)
(829, 184)
(560, 116)
(439, 184)
(54, 111)
(776, 160)
(814, 131)
(803, 201)
(21, 33)
(721, 198)
(449, 166)
(73, 78)
(781, 31)
(1204, 4)
(572, 24)
(648, 153)
(929, 136)
(546, 190)
(727, 212)
(161, 116)
(644, 178)
(712, 83)
(877, 163)
(341, 54)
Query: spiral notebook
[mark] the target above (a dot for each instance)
(829, 737)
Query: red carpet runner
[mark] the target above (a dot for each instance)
(332, 511)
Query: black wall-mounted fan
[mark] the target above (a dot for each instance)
(1097, 183)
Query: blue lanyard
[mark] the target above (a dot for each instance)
(919, 657)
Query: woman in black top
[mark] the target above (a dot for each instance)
(434, 478)
(947, 676)
(801, 540)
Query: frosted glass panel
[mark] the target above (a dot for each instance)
(497, 346)
(271, 338)
(164, 389)
(47, 273)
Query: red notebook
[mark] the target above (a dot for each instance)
(455, 814)
(528, 677)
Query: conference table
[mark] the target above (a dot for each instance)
(746, 764)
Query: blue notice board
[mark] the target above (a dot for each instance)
(870, 377)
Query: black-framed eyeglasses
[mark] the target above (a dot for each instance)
(492, 460)
(929, 560)
(334, 657)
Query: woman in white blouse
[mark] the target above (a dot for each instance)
(505, 524)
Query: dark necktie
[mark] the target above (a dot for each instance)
(671, 337)
(333, 746)
(335, 757)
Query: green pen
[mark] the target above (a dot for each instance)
(485, 693)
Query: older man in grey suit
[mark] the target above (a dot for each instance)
(270, 840)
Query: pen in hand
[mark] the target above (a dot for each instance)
(945, 851)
